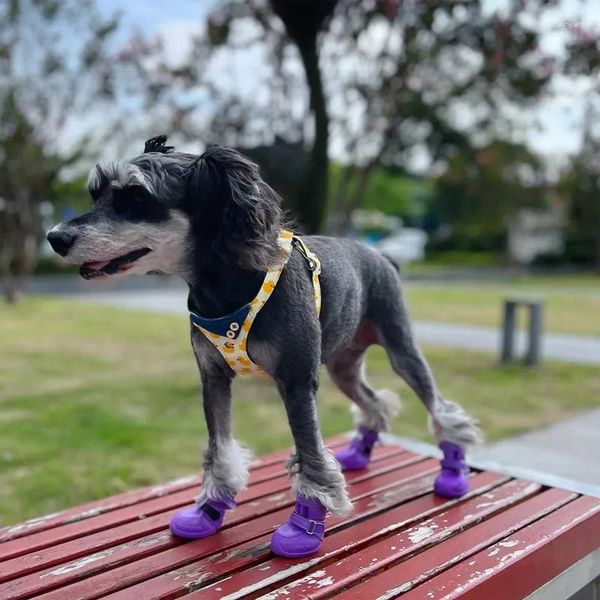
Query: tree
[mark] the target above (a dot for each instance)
(303, 22)
(481, 188)
(581, 181)
(434, 81)
(267, 103)
(398, 84)
(396, 80)
(56, 73)
(26, 173)
(581, 186)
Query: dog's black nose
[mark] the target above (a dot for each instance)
(60, 241)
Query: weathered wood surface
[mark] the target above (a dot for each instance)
(505, 539)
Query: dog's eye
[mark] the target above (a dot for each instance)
(126, 202)
(137, 204)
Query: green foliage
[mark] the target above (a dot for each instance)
(389, 191)
(455, 258)
(581, 188)
(57, 62)
(482, 188)
(395, 75)
(71, 193)
(25, 175)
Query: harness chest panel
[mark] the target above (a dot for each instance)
(229, 334)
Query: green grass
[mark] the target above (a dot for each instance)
(455, 258)
(571, 304)
(95, 401)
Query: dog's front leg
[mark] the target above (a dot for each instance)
(317, 480)
(225, 461)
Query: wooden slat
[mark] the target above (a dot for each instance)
(242, 540)
(523, 561)
(262, 479)
(382, 581)
(92, 509)
(394, 539)
(97, 507)
(153, 543)
(261, 469)
(505, 539)
(201, 572)
(148, 536)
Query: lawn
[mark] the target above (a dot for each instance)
(94, 401)
(571, 304)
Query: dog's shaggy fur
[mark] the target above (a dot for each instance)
(212, 220)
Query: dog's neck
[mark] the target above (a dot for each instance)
(217, 288)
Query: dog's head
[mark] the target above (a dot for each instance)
(171, 211)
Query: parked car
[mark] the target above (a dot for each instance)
(404, 246)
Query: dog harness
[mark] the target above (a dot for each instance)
(229, 334)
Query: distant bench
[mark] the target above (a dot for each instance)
(534, 308)
(509, 538)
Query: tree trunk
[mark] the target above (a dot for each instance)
(19, 234)
(10, 290)
(312, 194)
(361, 187)
(341, 200)
(303, 20)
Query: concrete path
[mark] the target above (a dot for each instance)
(556, 346)
(566, 454)
(569, 449)
(164, 300)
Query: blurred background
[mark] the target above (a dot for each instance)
(462, 138)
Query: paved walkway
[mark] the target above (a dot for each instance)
(566, 454)
(569, 449)
(556, 346)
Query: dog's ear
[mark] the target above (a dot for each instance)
(238, 210)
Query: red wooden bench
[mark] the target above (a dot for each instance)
(507, 539)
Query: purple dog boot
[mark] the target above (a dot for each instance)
(358, 454)
(453, 481)
(200, 521)
(303, 533)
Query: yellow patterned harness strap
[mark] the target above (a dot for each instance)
(229, 334)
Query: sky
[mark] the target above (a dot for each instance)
(551, 128)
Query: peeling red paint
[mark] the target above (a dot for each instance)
(400, 541)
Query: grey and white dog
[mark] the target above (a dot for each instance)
(213, 221)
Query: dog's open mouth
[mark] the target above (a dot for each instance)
(120, 264)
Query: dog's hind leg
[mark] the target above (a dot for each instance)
(454, 429)
(449, 422)
(372, 409)
(225, 461)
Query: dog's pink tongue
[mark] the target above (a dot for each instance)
(97, 265)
